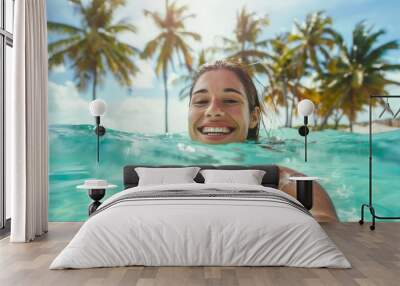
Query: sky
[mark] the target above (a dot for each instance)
(140, 108)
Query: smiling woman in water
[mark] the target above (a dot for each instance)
(224, 105)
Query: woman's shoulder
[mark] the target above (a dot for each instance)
(323, 209)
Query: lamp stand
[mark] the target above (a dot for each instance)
(305, 148)
(303, 131)
(100, 131)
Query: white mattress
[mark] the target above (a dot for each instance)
(200, 231)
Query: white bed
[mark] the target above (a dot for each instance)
(206, 230)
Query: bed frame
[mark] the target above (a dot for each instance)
(275, 177)
(270, 179)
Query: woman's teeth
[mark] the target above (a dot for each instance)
(215, 130)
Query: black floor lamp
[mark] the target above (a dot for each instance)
(98, 108)
(370, 204)
(305, 108)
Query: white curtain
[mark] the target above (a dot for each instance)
(26, 119)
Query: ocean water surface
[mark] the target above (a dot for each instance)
(339, 158)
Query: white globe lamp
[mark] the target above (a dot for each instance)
(305, 107)
(97, 107)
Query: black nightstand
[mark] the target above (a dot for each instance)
(304, 191)
(96, 191)
(96, 195)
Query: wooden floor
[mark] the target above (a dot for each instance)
(375, 257)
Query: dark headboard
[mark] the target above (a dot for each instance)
(270, 179)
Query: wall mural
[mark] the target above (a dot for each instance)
(140, 58)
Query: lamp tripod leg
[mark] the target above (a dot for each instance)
(372, 210)
(361, 221)
(98, 146)
(305, 148)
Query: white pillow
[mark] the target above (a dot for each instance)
(248, 177)
(163, 176)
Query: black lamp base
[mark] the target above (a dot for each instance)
(96, 195)
(304, 190)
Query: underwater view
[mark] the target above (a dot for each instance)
(338, 158)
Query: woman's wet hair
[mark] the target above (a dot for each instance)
(244, 77)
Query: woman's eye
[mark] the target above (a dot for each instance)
(230, 101)
(200, 102)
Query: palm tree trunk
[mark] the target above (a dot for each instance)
(291, 112)
(286, 103)
(94, 84)
(351, 120)
(315, 117)
(352, 113)
(314, 61)
(165, 82)
(94, 87)
(330, 111)
(294, 97)
(337, 123)
(166, 99)
(325, 120)
(337, 120)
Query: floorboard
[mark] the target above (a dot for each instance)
(374, 255)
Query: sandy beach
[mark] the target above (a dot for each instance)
(376, 128)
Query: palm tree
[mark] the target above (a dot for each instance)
(172, 39)
(284, 86)
(94, 47)
(277, 70)
(357, 73)
(314, 37)
(246, 46)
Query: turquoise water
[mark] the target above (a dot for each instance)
(340, 159)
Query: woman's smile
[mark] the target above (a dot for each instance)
(215, 132)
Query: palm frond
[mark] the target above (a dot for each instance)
(380, 51)
(62, 43)
(152, 46)
(156, 17)
(63, 28)
(58, 57)
(164, 57)
(183, 47)
(121, 27)
(195, 36)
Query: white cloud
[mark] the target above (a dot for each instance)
(146, 76)
(395, 76)
(172, 78)
(134, 114)
(146, 115)
(66, 106)
(132, 12)
(59, 69)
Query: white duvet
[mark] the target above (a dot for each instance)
(200, 231)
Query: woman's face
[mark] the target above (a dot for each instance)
(219, 109)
